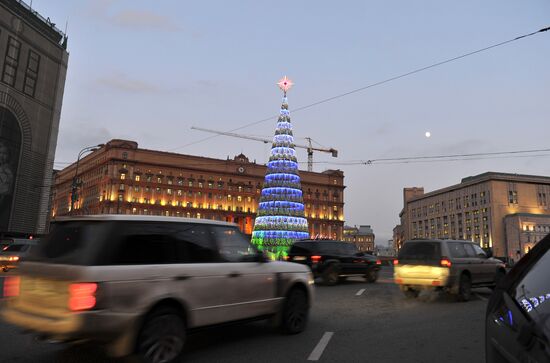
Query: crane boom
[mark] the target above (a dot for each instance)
(309, 147)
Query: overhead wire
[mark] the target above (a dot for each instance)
(387, 80)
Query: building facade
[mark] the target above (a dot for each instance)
(505, 212)
(121, 178)
(362, 237)
(33, 60)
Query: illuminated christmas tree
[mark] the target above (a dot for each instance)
(280, 219)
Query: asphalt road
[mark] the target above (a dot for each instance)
(351, 322)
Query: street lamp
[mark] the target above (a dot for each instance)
(75, 184)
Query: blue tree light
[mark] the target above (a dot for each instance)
(281, 219)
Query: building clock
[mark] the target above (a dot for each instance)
(241, 169)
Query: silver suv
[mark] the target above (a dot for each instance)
(136, 284)
(453, 265)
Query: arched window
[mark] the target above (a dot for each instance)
(10, 146)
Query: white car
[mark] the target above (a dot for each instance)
(136, 284)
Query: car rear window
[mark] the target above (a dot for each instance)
(420, 250)
(17, 248)
(303, 248)
(73, 243)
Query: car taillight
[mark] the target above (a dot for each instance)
(395, 262)
(11, 286)
(445, 262)
(315, 258)
(82, 296)
(378, 262)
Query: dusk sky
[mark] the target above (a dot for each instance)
(149, 70)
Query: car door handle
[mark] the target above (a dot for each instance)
(234, 274)
(182, 277)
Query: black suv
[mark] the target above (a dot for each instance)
(333, 261)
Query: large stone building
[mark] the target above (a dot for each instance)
(362, 237)
(122, 178)
(506, 212)
(33, 60)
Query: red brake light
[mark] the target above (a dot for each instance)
(445, 262)
(315, 258)
(378, 262)
(395, 262)
(82, 296)
(11, 286)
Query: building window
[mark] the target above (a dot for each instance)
(179, 193)
(159, 179)
(169, 191)
(513, 197)
(122, 176)
(137, 178)
(31, 74)
(239, 198)
(11, 61)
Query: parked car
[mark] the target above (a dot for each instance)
(453, 265)
(334, 261)
(137, 284)
(517, 321)
(13, 253)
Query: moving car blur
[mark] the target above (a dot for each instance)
(334, 261)
(517, 321)
(137, 284)
(453, 266)
(11, 255)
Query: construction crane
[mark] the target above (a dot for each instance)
(310, 149)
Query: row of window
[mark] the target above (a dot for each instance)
(12, 63)
(211, 184)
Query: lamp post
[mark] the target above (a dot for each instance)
(75, 184)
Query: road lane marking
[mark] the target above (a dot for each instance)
(482, 297)
(320, 348)
(360, 292)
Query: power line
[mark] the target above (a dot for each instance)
(415, 161)
(394, 78)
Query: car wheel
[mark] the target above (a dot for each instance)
(464, 288)
(410, 293)
(498, 276)
(371, 276)
(295, 312)
(162, 337)
(331, 276)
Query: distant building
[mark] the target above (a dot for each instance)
(121, 178)
(506, 212)
(362, 237)
(33, 60)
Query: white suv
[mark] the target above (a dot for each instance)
(136, 284)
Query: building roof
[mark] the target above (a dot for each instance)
(43, 25)
(484, 177)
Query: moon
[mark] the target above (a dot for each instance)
(428, 134)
